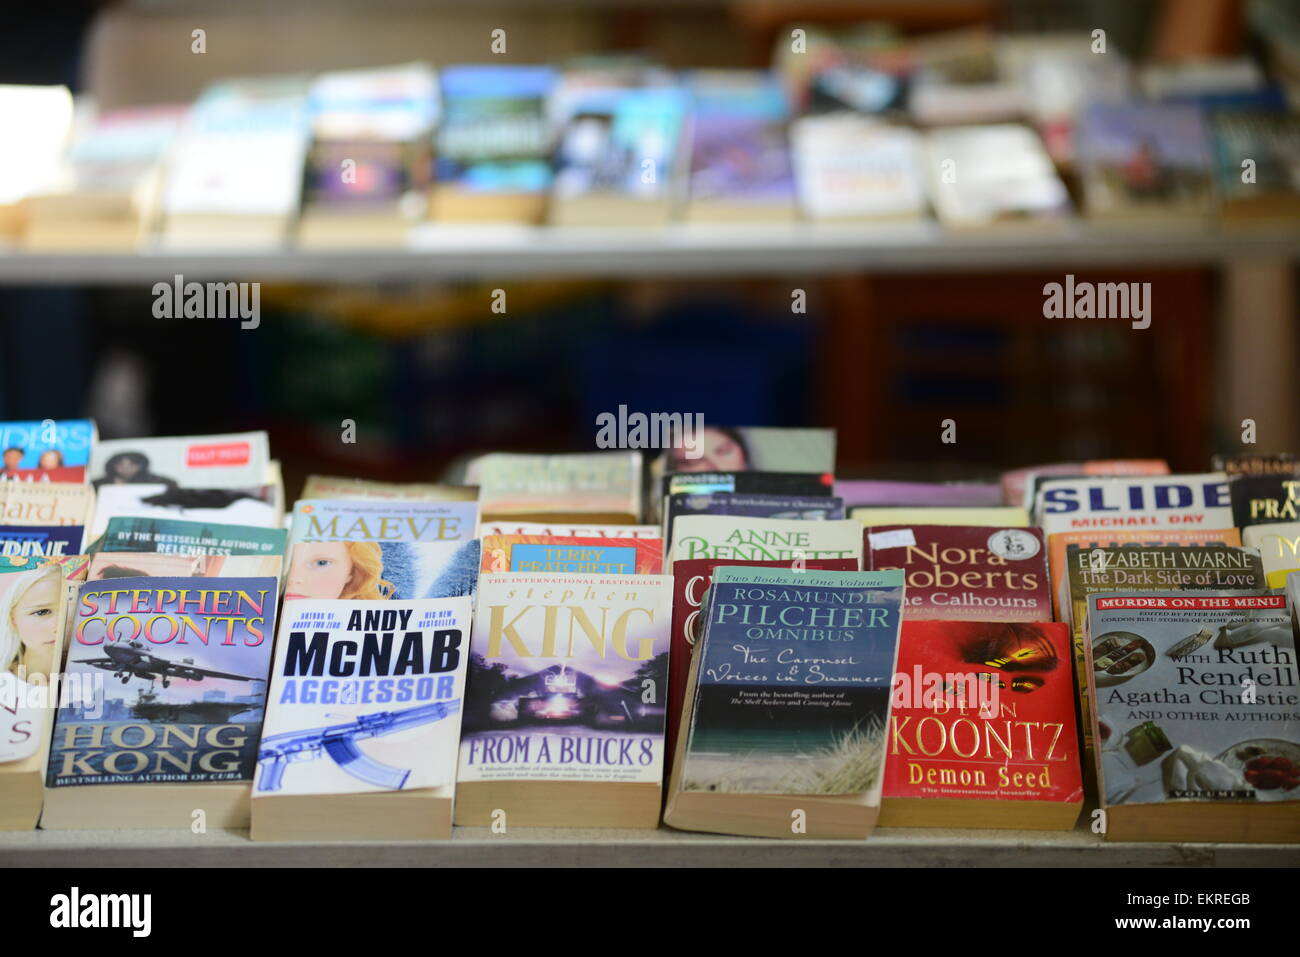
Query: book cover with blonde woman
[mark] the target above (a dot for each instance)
(31, 626)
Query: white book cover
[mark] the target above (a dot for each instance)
(392, 104)
(984, 175)
(326, 520)
(241, 151)
(39, 119)
(235, 460)
(569, 531)
(256, 505)
(849, 166)
(764, 539)
(1134, 503)
(568, 679)
(366, 696)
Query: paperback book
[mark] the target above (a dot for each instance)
(1260, 499)
(602, 487)
(257, 506)
(853, 167)
(328, 520)
(155, 565)
(776, 718)
(47, 451)
(65, 504)
(790, 507)
(17, 541)
(381, 571)
(1173, 501)
(176, 672)
(329, 486)
(363, 722)
(582, 556)
(753, 449)
(1145, 161)
(1279, 549)
(740, 166)
(33, 600)
(969, 573)
(194, 461)
(764, 539)
(1195, 716)
(564, 710)
(1020, 486)
(691, 580)
(177, 537)
(982, 727)
(493, 144)
(569, 530)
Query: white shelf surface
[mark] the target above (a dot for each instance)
(493, 252)
(553, 847)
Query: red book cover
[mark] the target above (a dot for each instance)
(691, 578)
(563, 553)
(965, 573)
(984, 711)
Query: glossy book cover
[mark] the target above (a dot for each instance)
(567, 678)
(176, 673)
(1195, 698)
(580, 556)
(381, 571)
(326, 520)
(793, 689)
(969, 573)
(984, 710)
(365, 697)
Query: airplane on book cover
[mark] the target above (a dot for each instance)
(131, 660)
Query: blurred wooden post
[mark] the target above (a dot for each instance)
(1194, 29)
(1261, 354)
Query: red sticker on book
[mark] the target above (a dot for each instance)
(222, 454)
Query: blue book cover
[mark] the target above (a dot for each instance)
(327, 520)
(578, 559)
(46, 541)
(50, 450)
(494, 134)
(165, 681)
(793, 689)
(382, 571)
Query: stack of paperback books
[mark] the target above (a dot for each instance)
(696, 637)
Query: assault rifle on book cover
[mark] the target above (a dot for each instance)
(339, 741)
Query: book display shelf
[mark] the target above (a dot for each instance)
(926, 300)
(553, 847)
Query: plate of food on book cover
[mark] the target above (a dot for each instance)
(1270, 765)
(1118, 656)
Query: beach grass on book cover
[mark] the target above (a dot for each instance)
(165, 682)
(793, 688)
